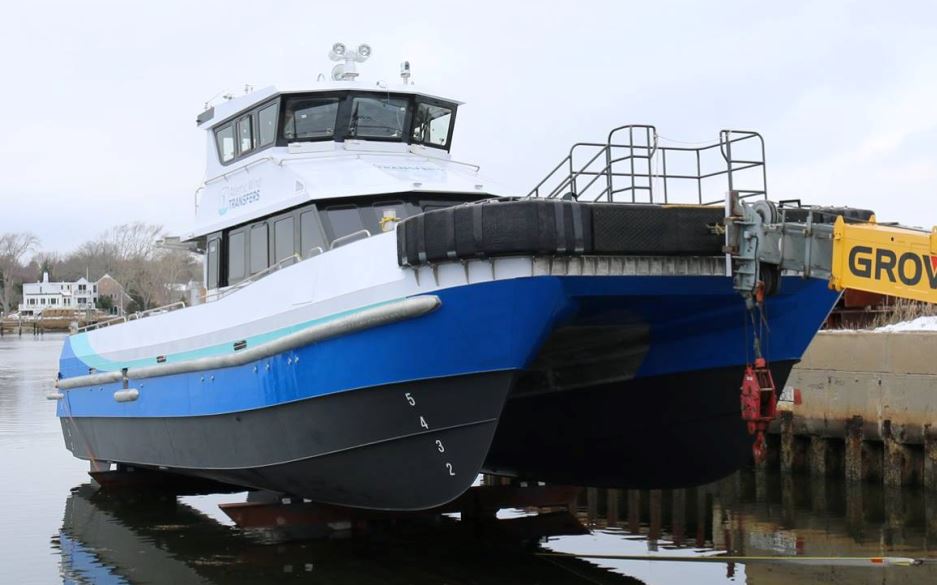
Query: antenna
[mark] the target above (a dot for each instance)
(346, 71)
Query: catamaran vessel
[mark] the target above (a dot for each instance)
(382, 323)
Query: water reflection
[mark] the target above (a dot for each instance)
(107, 539)
(756, 514)
(111, 539)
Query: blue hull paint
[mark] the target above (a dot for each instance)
(694, 323)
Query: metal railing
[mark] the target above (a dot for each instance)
(133, 316)
(638, 164)
(349, 238)
(221, 293)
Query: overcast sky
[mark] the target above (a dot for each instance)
(99, 99)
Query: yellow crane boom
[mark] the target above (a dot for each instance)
(886, 259)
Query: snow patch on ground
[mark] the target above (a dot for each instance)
(919, 324)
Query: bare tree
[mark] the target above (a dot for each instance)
(128, 252)
(13, 250)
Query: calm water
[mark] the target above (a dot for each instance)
(54, 528)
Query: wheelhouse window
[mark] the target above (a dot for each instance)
(431, 125)
(310, 118)
(373, 117)
(282, 239)
(224, 138)
(259, 255)
(343, 220)
(267, 125)
(236, 256)
(245, 134)
(213, 254)
(311, 239)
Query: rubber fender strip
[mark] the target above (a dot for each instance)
(421, 239)
(451, 252)
(368, 318)
(558, 214)
(577, 230)
(402, 255)
(477, 229)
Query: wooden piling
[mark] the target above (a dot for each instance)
(678, 516)
(853, 456)
(895, 516)
(787, 442)
(930, 514)
(634, 511)
(819, 456)
(855, 511)
(897, 461)
(611, 507)
(788, 500)
(592, 503)
(701, 516)
(930, 458)
(655, 505)
(761, 484)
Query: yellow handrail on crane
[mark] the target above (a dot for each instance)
(885, 259)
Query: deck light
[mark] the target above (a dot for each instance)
(338, 51)
(346, 71)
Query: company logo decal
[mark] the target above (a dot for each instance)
(879, 263)
(234, 196)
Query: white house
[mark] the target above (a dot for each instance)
(38, 296)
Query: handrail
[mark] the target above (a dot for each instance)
(330, 154)
(243, 167)
(639, 167)
(132, 317)
(355, 154)
(351, 237)
(219, 294)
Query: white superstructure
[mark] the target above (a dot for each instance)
(295, 173)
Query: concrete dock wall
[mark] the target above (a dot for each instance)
(868, 408)
(876, 376)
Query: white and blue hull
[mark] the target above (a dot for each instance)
(402, 414)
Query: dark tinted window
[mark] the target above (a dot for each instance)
(344, 220)
(310, 118)
(258, 248)
(431, 125)
(267, 125)
(236, 264)
(310, 233)
(225, 139)
(283, 239)
(245, 134)
(213, 254)
(377, 117)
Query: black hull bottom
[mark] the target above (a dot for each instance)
(406, 446)
(669, 431)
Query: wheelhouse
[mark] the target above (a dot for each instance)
(336, 116)
(292, 174)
